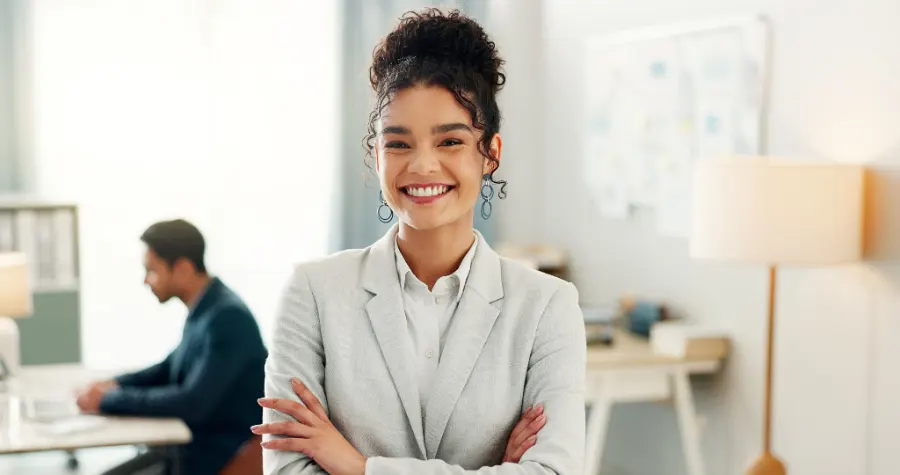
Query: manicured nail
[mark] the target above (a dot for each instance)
(541, 419)
(296, 382)
(264, 445)
(263, 401)
(540, 409)
(255, 428)
(532, 439)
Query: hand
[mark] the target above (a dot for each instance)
(311, 433)
(89, 398)
(524, 434)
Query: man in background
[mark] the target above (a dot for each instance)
(214, 377)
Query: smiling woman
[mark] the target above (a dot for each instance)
(442, 356)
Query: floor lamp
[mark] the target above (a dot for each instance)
(775, 212)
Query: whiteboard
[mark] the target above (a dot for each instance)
(657, 100)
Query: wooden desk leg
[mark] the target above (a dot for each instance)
(597, 424)
(687, 422)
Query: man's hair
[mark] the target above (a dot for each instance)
(176, 239)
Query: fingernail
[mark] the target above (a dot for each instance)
(296, 381)
(532, 439)
(541, 419)
(255, 428)
(264, 445)
(262, 401)
(540, 408)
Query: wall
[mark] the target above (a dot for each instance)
(834, 96)
(7, 145)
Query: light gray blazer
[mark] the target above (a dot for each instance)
(516, 339)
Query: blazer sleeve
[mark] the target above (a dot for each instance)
(210, 377)
(155, 375)
(555, 378)
(297, 351)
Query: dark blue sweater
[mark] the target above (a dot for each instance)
(211, 381)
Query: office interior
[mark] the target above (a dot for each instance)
(247, 118)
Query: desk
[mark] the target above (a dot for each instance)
(52, 381)
(629, 371)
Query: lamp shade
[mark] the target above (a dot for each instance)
(15, 295)
(769, 211)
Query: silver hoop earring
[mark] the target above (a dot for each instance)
(487, 194)
(384, 216)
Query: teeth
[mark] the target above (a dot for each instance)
(427, 190)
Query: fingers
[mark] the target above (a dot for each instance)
(293, 409)
(521, 431)
(530, 429)
(309, 399)
(284, 428)
(301, 446)
(517, 454)
(527, 417)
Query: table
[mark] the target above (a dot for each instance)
(22, 435)
(630, 371)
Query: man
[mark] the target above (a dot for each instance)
(212, 380)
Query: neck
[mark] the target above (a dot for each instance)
(194, 289)
(434, 253)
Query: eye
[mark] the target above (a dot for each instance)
(451, 142)
(396, 144)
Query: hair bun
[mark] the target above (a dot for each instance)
(443, 38)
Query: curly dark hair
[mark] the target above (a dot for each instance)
(449, 50)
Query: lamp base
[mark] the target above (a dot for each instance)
(766, 464)
(9, 347)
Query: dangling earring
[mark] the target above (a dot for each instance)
(487, 194)
(384, 216)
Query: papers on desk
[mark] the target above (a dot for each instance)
(683, 340)
(58, 416)
(45, 409)
(70, 425)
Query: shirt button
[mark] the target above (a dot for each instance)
(438, 300)
(429, 354)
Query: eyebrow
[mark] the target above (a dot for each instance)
(440, 129)
(395, 129)
(443, 129)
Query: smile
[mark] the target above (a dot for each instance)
(426, 193)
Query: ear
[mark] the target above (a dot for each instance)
(496, 151)
(182, 265)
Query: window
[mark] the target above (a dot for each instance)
(222, 112)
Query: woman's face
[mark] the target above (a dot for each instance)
(427, 158)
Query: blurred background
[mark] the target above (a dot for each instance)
(246, 118)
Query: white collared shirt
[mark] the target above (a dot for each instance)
(428, 315)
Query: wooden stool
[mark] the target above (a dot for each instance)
(247, 461)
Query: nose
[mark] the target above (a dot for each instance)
(424, 163)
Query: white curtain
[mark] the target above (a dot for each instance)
(223, 112)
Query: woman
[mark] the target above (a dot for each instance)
(419, 354)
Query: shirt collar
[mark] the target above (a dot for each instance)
(192, 307)
(461, 274)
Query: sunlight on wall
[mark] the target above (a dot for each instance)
(220, 112)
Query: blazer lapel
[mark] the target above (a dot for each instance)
(471, 325)
(385, 310)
